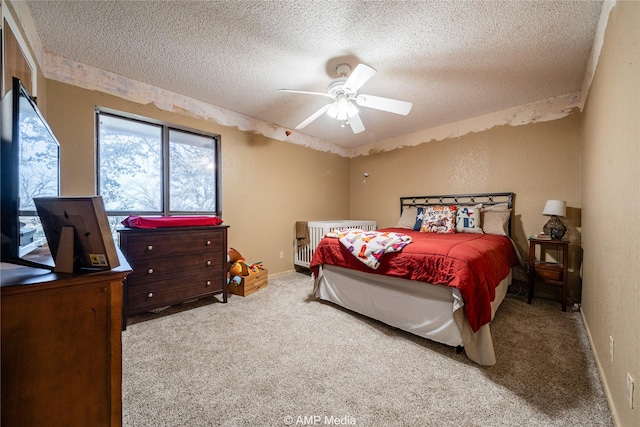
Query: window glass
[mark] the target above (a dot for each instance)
(130, 165)
(192, 172)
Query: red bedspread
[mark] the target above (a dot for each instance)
(473, 263)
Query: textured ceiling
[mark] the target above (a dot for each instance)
(452, 59)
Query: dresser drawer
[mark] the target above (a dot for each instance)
(156, 245)
(173, 265)
(153, 269)
(146, 296)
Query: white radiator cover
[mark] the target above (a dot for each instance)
(317, 230)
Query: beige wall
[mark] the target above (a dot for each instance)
(592, 161)
(537, 162)
(611, 206)
(267, 184)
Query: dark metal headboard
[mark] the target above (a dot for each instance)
(459, 199)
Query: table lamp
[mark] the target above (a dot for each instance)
(554, 227)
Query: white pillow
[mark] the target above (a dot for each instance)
(497, 207)
(408, 218)
(496, 222)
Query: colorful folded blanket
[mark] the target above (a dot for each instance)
(370, 246)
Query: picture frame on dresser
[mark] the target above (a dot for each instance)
(172, 265)
(77, 232)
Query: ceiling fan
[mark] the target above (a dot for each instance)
(344, 92)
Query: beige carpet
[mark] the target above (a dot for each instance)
(280, 357)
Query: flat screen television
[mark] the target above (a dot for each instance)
(29, 167)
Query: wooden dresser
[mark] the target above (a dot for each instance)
(173, 265)
(61, 347)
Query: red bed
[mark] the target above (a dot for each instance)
(473, 263)
(471, 266)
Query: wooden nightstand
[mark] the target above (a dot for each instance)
(553, 273)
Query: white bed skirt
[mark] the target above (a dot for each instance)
(430, 311)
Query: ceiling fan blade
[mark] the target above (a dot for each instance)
(358, 77)
(356, 124)
(308, 93)
(384, 104)
(313, 117)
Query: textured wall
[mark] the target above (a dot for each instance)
(267, 184)
(537, 162)
(611, 202)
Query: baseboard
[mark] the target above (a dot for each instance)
(281, 273)
(605, 384)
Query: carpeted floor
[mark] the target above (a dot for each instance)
(280, 357)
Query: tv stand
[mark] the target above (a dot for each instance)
(61, 349)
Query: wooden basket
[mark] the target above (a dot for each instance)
(250, 284)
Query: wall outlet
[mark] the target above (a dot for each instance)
(630, 389)
(281, 255)
(611, 343)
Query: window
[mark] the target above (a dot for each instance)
(150, 168)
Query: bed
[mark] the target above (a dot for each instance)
(445, 285)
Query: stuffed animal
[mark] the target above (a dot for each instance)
(235, 263)
(236, 267)
(256, 267)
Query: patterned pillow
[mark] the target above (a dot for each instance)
(468, 219)
(419, 218)
(439, 219)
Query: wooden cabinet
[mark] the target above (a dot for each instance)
(173, 265)
(554, 273)
(61, 347)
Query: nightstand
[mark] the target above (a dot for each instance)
(554, 273)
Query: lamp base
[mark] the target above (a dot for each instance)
(554, 228)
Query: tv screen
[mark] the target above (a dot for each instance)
(30, 159)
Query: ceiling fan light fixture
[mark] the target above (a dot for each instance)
(342, 109)
(332, 111)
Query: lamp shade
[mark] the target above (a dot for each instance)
(342, 109)
(555, 207)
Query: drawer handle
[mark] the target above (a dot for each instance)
(208, 282)
(150, 247)
(208, 262)
(150, 295)
(208, 242)
(150, 271)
